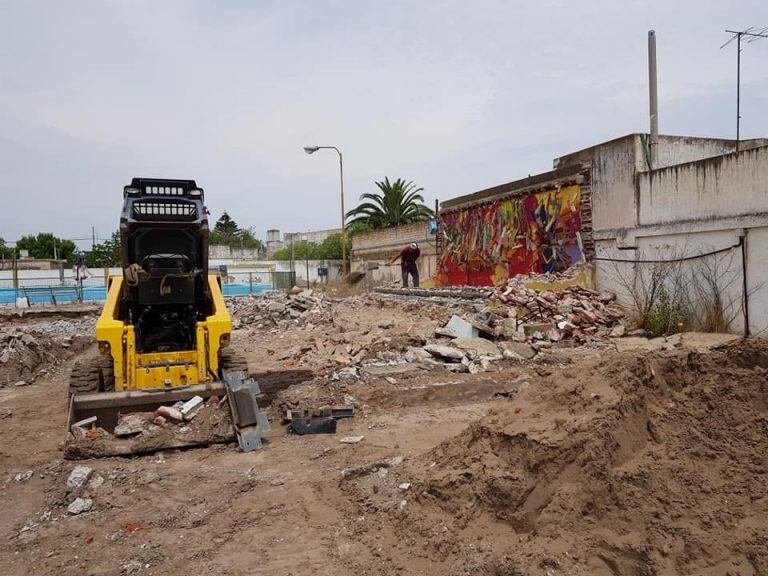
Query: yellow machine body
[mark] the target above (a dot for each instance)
(137, 371)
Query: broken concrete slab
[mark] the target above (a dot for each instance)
(447, 352)
(457, 327)
(390, 369)
(413, 354)
(479, 346)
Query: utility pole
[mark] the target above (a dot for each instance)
(752, 35)
(653, 99)
(93, 236)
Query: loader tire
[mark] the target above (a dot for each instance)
(229, 360)
(89, 375)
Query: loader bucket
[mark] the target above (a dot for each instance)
(95, 438)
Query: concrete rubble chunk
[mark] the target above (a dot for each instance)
(457, 367)
(405, 486)
(131, 425)
(457, 327)
(351, 439)
(445, 352)
(80, 505)
(517, 350)
(23, 476)
(390, 369)
(413, 354)
(480, 346)
(348, 373)
(78, 478)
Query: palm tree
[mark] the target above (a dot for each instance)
(399, 202)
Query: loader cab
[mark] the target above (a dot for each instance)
(164, 256)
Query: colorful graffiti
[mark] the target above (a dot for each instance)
(538, 232)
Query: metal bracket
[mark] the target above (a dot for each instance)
(249, 423)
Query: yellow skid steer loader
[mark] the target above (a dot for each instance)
(162, 338)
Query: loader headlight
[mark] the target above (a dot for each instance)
(131, 191)
(196, 193)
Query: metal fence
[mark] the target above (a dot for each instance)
(50, 289)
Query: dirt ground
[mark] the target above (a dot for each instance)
(580, 461)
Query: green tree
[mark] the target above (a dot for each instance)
(226, 232)
(330, 248)
(301, 250)
(47, 246)
(398, 202)
(106, 253)
(247, 239)
(6, 252)
(226, 228)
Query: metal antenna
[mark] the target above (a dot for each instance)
(752, 34)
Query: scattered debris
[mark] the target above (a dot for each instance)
(133, 424)
(372, 468)
(80, 505)
(23, 476)
(78, 478)
(351, 439)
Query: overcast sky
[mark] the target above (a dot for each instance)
(456, 96)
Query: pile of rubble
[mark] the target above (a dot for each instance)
(30, 351)
(575, 312)
(269, 309)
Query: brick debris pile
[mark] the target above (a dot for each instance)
(574, 312)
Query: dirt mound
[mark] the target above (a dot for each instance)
(632, 466)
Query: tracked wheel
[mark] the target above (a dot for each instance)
(92, 375)
(232, 361)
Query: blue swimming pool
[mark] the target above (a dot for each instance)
(60, 294)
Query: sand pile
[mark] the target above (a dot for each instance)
(635, 465)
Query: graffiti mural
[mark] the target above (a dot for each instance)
(537, 232)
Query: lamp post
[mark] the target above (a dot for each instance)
(312, 150)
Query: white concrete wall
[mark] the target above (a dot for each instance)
(694, 208)
(689, 276)
(720, 187)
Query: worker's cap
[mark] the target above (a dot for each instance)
(414, 245)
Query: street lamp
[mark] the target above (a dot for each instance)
(312, 150)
